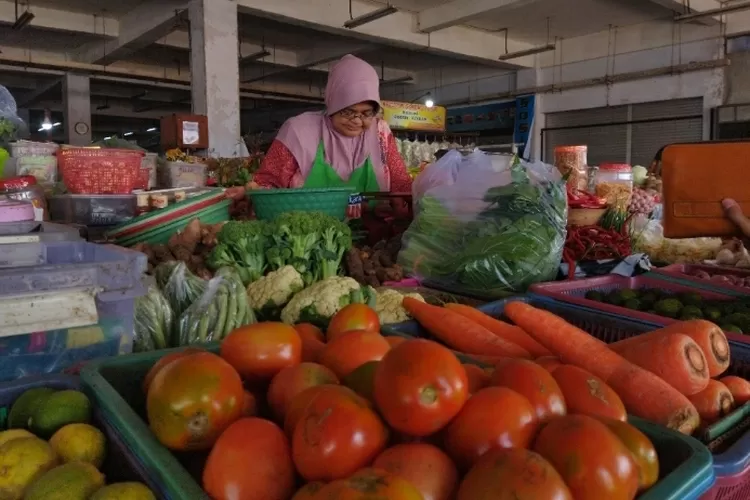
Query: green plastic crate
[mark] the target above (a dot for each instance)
(269, 203)
(115, 384)
(161, 234)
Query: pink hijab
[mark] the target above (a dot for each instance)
(350, 82)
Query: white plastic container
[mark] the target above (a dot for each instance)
(19, 149)
(43, 168)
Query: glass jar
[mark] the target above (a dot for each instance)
(572, 161)
(614, 183)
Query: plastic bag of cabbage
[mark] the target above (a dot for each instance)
(492, 226)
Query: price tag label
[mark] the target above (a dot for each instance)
(190, 133)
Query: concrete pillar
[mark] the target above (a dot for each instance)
(214, 58)
(77, 109)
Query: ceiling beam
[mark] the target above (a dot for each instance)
(61, 20)
(37, 93)
(139, 28)
(141, 74)
(458, 12)
(678, 7)
(397, 29)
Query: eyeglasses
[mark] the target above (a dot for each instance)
(351, 115)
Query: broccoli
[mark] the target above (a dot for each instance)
(313, 242)
(299, 233)
(335, 241)
(242, 245)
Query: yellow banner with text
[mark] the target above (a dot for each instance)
(410, 116)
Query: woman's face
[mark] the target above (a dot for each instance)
(354, 120)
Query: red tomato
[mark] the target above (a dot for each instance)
(642, 449)
(294, 379)
(394, 340)
(739, 387)
(370, 484)
(587, 394)
(362, 380)
(164, 361)
(495, 417)
(353, 317)
(192, 400)
(347, 352)
(313, 341)
(299, 403)
(336, 435)
(260, 351)
(419, 387)
(309, 491)
(249, 405)
(477, 377)
(535, 383)
(513, 474)
(251, 459)
(423, 465)
(594, 463)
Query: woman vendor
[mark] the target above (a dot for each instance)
(345, 145)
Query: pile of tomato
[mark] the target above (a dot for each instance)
(293, 413)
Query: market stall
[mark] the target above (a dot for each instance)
(306, 319)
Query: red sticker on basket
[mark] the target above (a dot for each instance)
(15, 183)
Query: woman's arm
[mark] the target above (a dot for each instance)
(392, 160)
(278, 167)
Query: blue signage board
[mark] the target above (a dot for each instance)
(524, 122)
(499, 115)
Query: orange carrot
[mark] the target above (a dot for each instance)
(674, 357)
(707, 335)
(644, 394)
(505, 331)
(549, 363)
(713, 402)
(739, 387)
(459, 333)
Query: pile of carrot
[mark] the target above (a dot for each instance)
(668, 376)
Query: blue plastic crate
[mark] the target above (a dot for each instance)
(115, 273)
(611, 328)
(120, 465)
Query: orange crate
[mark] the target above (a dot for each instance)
(99, 171)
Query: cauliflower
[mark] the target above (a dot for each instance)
(389, 306)
(318, 303)
(269, 294)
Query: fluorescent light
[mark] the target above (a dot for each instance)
(46, 126)
(713, 12)
(152, 129)
(400, 79)
(56, 124)
(370, 17)
(23, 20)
(429, 103)
(41, 130)
(127, 134)
(527, 52)
(254, 56)
(107, 138)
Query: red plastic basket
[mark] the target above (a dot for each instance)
(573, 292)
(684, 272)
(99, 171)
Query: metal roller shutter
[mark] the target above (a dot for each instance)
(632, 133)
(648, 138)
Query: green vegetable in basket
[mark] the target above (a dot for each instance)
(241, 244)
(668, 307)
(318, 303)
(153, 322)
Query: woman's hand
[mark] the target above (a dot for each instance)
(733, 212)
